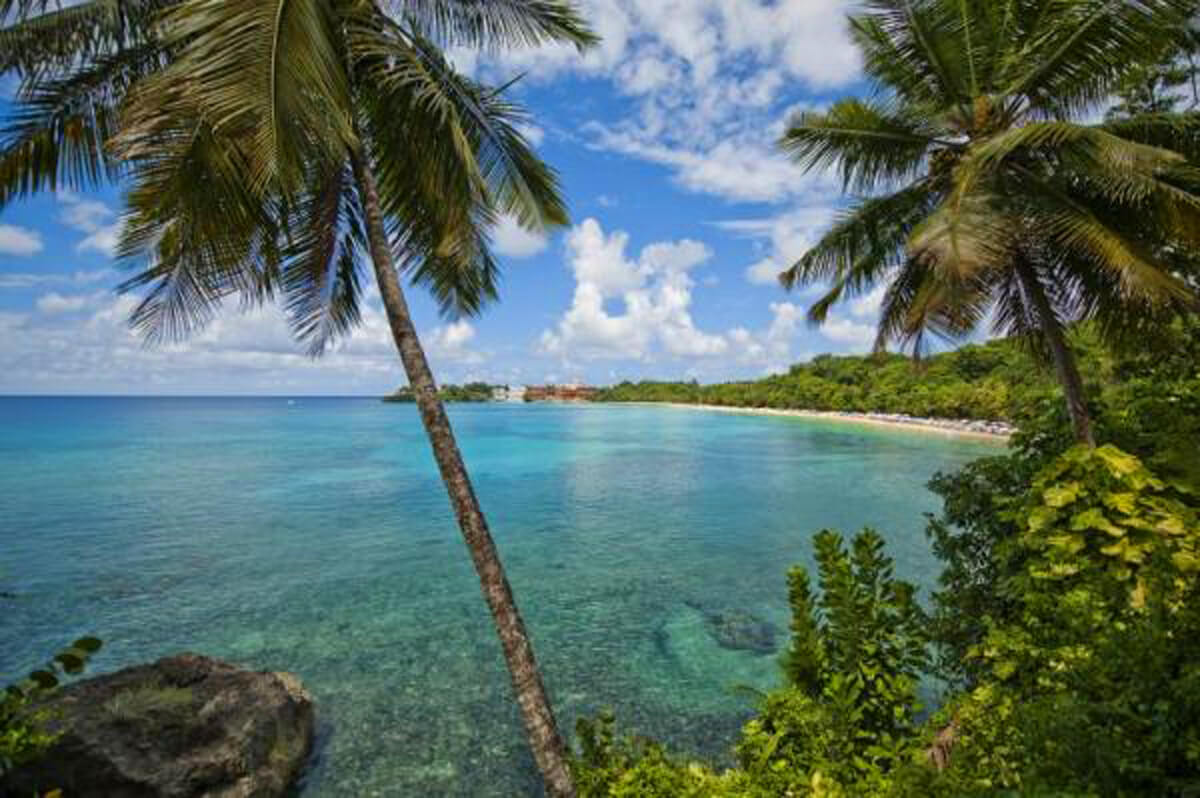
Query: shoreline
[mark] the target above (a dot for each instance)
(995, 431)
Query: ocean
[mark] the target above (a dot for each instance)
(313, 535)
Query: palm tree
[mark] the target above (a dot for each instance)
(271, 147)
(985, 195)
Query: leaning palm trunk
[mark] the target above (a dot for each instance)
(1064, 361)
(548, 749)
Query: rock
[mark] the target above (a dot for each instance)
(184, 726)
(740, 630)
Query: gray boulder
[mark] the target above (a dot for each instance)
(184, 726)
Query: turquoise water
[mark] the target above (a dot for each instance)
(315, 537)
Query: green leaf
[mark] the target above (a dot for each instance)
(1126, 550)
(44, 679)
(1119, 463)
(1041, 517)
(1062, 495)
(1094, 519)
(1121, 502)
(89, 644)
(71, 661)
(1186, 561)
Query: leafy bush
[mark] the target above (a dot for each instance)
(1090, 684)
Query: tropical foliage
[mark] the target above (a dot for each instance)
(986, 197)
(23, 735)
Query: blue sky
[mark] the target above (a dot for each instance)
(682, 212)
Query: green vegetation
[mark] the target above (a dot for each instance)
(22, 725)
(990, 382)
(986, 198)
(470, 392)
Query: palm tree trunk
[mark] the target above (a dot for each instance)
(1064, 360)
(549, 750)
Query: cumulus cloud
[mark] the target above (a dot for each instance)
(450, 343)
(639, 308)
(511, 239)
(96, 220)
(654, 289)
(855, 336)
(19, 241)
(770, 349)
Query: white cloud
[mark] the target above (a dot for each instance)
(511, 239)
(712, 82)
(534, 134)
(30, 280)
(449, 343)
(19, 241)
(867, 306)
(742, 168)
(855, 336)
(92, 349)
(94, 218)
(103, 241)
(784, 237)
(807, 39)
(772, 348)
(655, 291)
(640, 309)
(764, 272)
(55, 302)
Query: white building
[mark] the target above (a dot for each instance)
(507, 393)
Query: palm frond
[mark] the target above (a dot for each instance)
(921, 303)
(454, 162)
(321, 278)
(58, 130)
(872, 143)
(270, 72)
(196, 231)
(871, 234)
(494, 24)
(1070, 63)
(57, 41)
(480, 122)
(1060, 220)
(1178, 132)
(905, 47)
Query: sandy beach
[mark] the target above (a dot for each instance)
(997, 431)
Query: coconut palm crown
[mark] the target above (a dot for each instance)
(983, 195)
